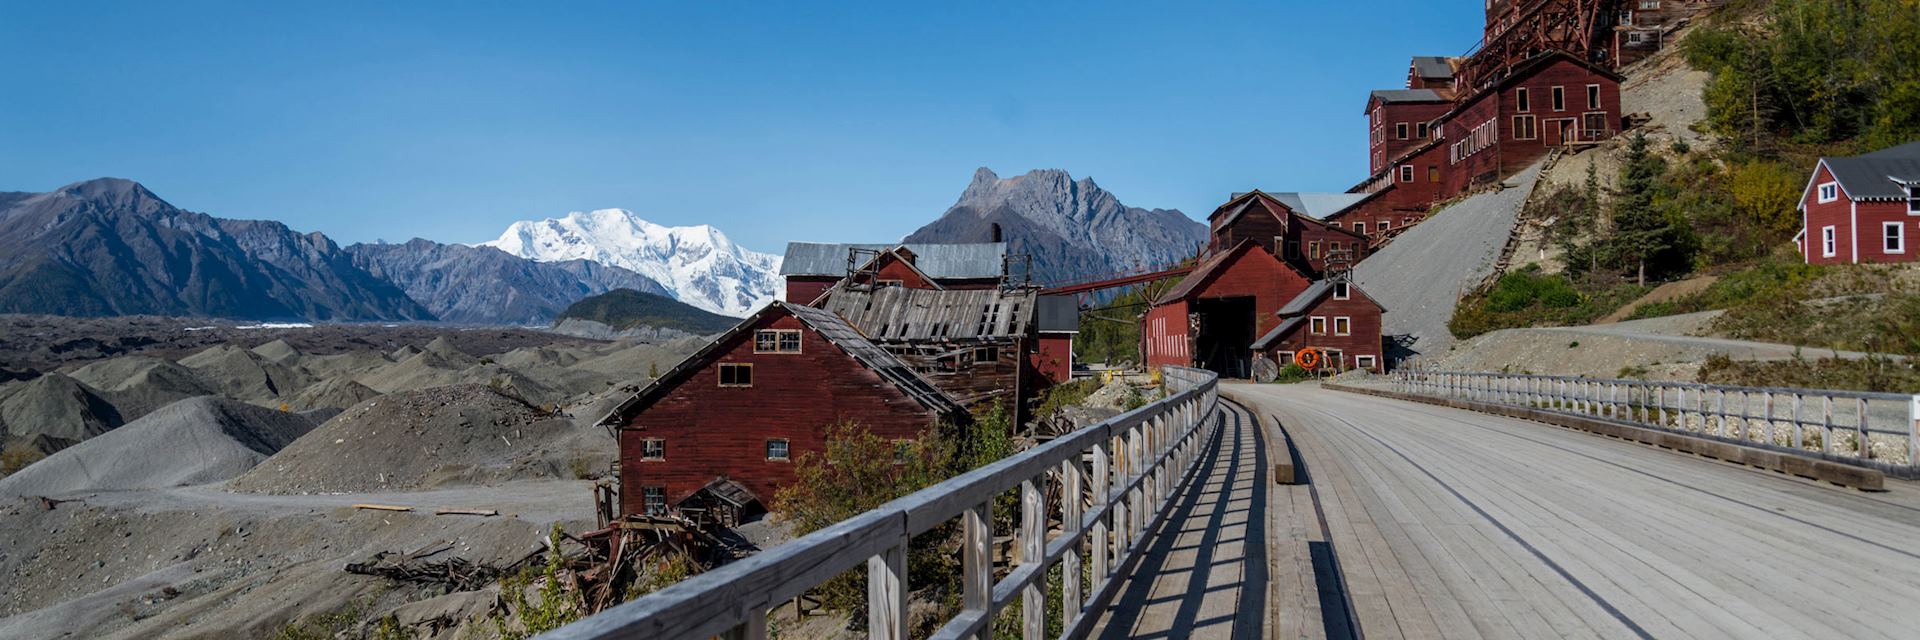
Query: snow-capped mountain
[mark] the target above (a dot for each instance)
(698, 264)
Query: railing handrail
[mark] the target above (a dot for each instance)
(733, 599)
(1672, 384)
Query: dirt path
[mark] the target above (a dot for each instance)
(1664, 293)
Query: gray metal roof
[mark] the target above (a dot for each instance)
(1303, 302)
(1320, 205)
(1286, 327)
(1432, 67)
(1407, 95)
(1058, 314)
(945, 261)
(900, 314)
(1874, 175)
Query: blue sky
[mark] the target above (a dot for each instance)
(773, 122)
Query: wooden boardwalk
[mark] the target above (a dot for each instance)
(1452, 524)
(1204, 573)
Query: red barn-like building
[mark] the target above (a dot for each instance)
(1399, 120)
(1286, 233)
(1211, 318)
(1864, 208)
(739, 413)
(1333, 317)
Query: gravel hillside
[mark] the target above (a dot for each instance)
(193, 441)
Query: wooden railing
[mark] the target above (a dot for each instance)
(1130, 466)
(1848, 424)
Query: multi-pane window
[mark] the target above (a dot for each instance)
(986, 354)
(1830, 192)
(653, 449)
(777, 449)
(776, 341)
(1523, 128)
(1521, 100)
(1559, 98)
(1894, 237)
(736, 375)
(1317, 325)
(1593, 96)
(1827, 244)
(1406, 173)
(1913, 199)
(1400, 130)
(654, 499)
(1343, 326)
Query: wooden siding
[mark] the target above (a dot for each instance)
(804, 289)
(1052, 357)
(1253, 273)
(712, 431)
(1383, 140)
(1512, 150)
(1364, 338)
(1165, 335)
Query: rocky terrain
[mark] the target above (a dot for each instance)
(1072, 228)
(484, 285)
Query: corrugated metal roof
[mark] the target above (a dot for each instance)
(1432, 67)
(1301, 303)
(1320, 205)
(900, 314)
(1873, 175)
(946, 261)
(1280, 332)
(829, 326)
(1407, 95)
(1058, 314)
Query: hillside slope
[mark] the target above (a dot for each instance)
(484, 285)
(624, 309)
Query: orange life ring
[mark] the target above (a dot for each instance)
(1307, 358)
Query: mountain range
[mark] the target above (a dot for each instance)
(1073, 229)
(110, 247)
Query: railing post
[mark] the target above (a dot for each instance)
(1137, 467)
(1913, 432)
(1122, 516)
(1767, 406)
(1826, 424)
(977, 562)
(1102, 491)
(1070, 516)
(887, 593)
(1860, 426)
(1033, 551)
(1799, 441)
(1720, 412)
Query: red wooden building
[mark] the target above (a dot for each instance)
(1300, 240)
(1862, 209)
(735, 416)
(1551, 99)
(1211, 318)
(811, 267)
(1399, 120)
(1333, 317)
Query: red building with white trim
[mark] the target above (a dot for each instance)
(1335, 318)
(1865, 208)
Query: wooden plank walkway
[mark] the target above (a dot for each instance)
(1453, 524)
(1205, 571)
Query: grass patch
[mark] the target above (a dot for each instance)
(1066, 395)
(1878, 374)
(18, 456)
(1529, 298)
(1293, 373)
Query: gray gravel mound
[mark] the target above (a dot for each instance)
(194, 441)
(337, 393)
(410, 440)
(277, 351)
(244, 374)
(1423, 273)
(138, 385)
(58, 407)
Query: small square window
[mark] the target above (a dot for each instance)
(778, 450)
(776, 341)
(1343, 326)
(736, 375)
(1829, 192)
(654, 500)
(1341, 290)
(1360, 228)
(1317, 325)
(1894, 237)
(1364, 362)
(653, 449)
(1406, 173)
(1400, 130)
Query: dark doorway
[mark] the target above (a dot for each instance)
(1224, 342)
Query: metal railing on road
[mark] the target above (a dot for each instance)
(1880, 430)
(1131, 465)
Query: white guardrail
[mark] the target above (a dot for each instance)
(1130, 466)
(1879, 430)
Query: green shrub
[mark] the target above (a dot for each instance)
(1528, 298)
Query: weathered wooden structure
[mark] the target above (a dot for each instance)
(973, 344)
(1301, 241)
(751, 403)
(810, 268)
(1553, 99)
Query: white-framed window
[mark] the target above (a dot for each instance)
(1829, 192)
(1593, 96)
(1524, 128)
(779, 449)
(1363, 362)
(1828, 245)
(1913, 199)
(1360, 228)
(1386, 224)
(654, 500)
(776, 341)
(1420, 130)
(1559, 98)
(1317, 325)
(1342, 291)
(1633, 37)
(653, 449)
(1521, 100)
(1400, 130)
(734, 374)
(1283, 357)
(1893, 237)
(1406, 173)
(1650, 5)
(1343, 326)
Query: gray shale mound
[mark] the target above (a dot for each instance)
(195, 441)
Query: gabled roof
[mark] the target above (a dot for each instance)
(1403, 96)
(906, 258)
(1321, 205)
(945, 261)
(1206, 270)
(1433, 67)
(1881, 175)
(900, 314)
(1246, 200)
(829, 326)
(1293, 312)
(1394, 163)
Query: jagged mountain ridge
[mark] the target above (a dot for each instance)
(484, 285)
(697, 264)
(111, 247)
(1073, 229)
